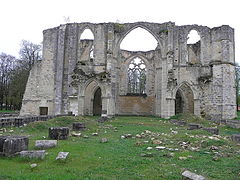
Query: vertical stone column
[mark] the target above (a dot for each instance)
(222, 104)
(72, 59)
(59, 69)
(111, 90)
(197, 107)
(80, 101)
(165, 105)
(158, 89)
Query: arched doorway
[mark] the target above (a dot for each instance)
(184, 102)
(97, 102)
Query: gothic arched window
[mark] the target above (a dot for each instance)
(137, 76)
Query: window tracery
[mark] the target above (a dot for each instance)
(137, 76)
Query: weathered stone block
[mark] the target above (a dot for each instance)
(236, 137)
(33, 154)
(212, 130)
(9, 145)
(45, 144)
(102, 119)
(192, 126)
(58, 133)
(79, 126)
(187, 175)
(178, 122)
(62, 155)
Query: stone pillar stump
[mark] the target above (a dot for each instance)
(58, 133)
(9, 145)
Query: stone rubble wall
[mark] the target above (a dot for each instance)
(20, 121)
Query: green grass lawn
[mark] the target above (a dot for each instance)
(120, 158)
(7, 111)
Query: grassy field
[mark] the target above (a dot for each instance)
(215, 157)
(7, 111)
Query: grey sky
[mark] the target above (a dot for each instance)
(26, 19)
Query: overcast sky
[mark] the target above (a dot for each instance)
(26, 19)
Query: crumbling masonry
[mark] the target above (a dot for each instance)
(91, 77)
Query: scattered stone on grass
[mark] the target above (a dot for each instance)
(39, 154)
(126, 136)
(170, 155)
(187, 175)
(212, 130)
(157, 141)
(178, 122)
(75, 134)
(182, 158)
(33, 165)
(85, 136)
(184, 144)
(214, 137)
(138, 136)
(160, 147)
(174, 132)
(45, 144)
(146, 154)
(149, 148)
(102, 119)
(78, 126)
(3, 130)
(236, 137)
(172, 149)
(95, 134)
(62, 155)
(214, 148)
(192, 126)
(58, 133)
(104, 140)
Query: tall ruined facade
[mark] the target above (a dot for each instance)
(93, 77)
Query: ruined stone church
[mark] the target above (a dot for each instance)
(97, 77)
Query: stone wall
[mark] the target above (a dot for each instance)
(20, 121)
(66, 80)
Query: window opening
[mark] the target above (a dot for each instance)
(139, 39)
(137, 76)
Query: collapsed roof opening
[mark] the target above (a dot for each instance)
(139, 39)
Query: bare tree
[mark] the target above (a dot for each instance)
(7, 65)
(30, 53)
(14, 74)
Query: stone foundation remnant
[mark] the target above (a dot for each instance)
(9, 145)
(59, 133)
(79, 126)
(212, 130)
(96, 76)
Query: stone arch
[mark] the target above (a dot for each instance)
(86, 46)
(97, 102)
(88, 93)
(194, 50)
(138, 26)
(184, 99)
(81, 31)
